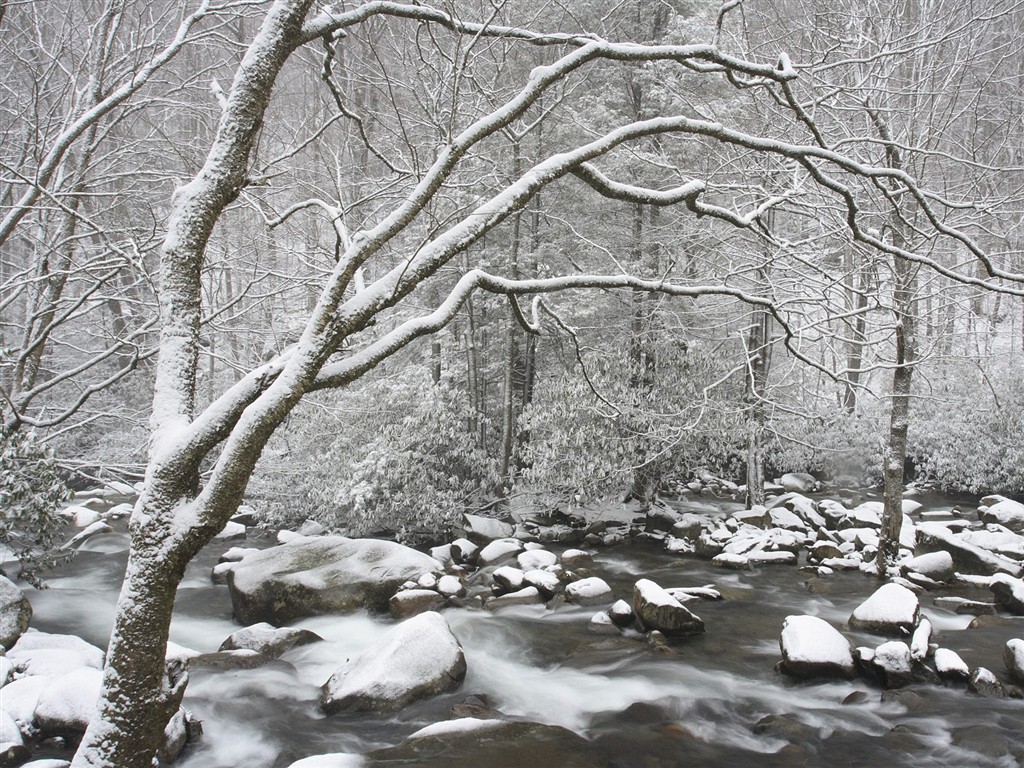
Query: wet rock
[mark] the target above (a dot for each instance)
(658, 610)
(15, 612)
(481, 530)
(965, 606)
(785, 727)
(950, 666)
(984, 683)
(417, 659)
(811, 647)
(476, 705)
(1002, 511)
(981, 739)
(268, 640)
(589, 591)
(1013, 656)
(934, 565)
(825, 550)
(621, 614)
(326, 574)
(857, 697)
(409, 602)
(892, 609)
(464, 552)
(731, 562)
(67, 704)
(1009, 593)
(242, 658)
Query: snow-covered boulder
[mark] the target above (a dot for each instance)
(892, 609)
(621, 613)
(921, 640)
(811, 647)
(450, 586)
(1013, 656)
(934, 565)
(546, 582)
(268, 640)
(42, 653)
(658, 610)
(524, 596)
(589, 591)
(950, 666)
(326, 574)
(418, 658)
(10, 734)
(507, 578)
(534, 559)
(232, 530)
(1002, 511)
(409, 602)
(15, 612)
(21, 696)
(986, 684)
(67, 704)
(576, 558)
(798, 482)
(966, 556)
(484, 529)
(1009, 593)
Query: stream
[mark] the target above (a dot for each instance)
(695, 704)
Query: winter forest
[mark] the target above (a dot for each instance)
(393, 340)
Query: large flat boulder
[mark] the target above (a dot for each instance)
(417, 659)
(1003, 511)
(326, 574)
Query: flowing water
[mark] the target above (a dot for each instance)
(695, 704)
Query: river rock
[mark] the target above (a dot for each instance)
(658, 610)
(268, 640)
(588, 591)
(1009, 593)
(934, 565)
(950, 666)
(326, 574)
(811, 647)
(508, 579)
(1013, 656)
(15, 612)
(892, 609)
(481, 530)
(798, 482)
(892, 663)
(418, 658)
(966, 556)
(534, 559)
(67, 704)
(1002, 511)
(331, 760)
(409, 602)
(524, 596)
(621, 614)
(986, 684)
(546, 582)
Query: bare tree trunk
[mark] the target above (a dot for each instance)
(759, 359)
(857, 301)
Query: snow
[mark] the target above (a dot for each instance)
(458, 725)
(542, 580)
(1013, 655)
(933, 564)
(449, 585)
(232, 531)
(10, 733)
(893, 657)
(587, 590)
(811, 640)
(949, 664)
(1016, 586)
(652, 594)
(890, 606)
(6, 670)
(41, 653)
(21, 696)
(1004, 511)
(507, 575)
(70, 701)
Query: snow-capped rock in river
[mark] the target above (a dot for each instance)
(1013, 655)
(1009, 593)
(69, 701)
(267, 639)
(892, 609)
(15, 612)
(326, 574)
(589, 591)
(42, 653)
(418, 658)
(950, 666)
(811, 647)
(658, 610)
(935, 565)
(1003, 511)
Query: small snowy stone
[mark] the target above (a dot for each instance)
(6, 670)
(621, 613)
(1009, 592)
(589, 591)
(986, 684)
(418, 658)
(524, 596)
(464, 551)
(232, 531)
(811, 647)
(658, 610)
(267, 639)
(919, 643)
(891, 609)
(534, 559)
(892, 661)
(508, 579)
(574, 558)
(427, 581)
(450, 586)
(950, 666)
(602, 624)
(731, 561)
(499, 550)
(219, 573)
(409, 602)
(546, 582)
(1013, 655)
